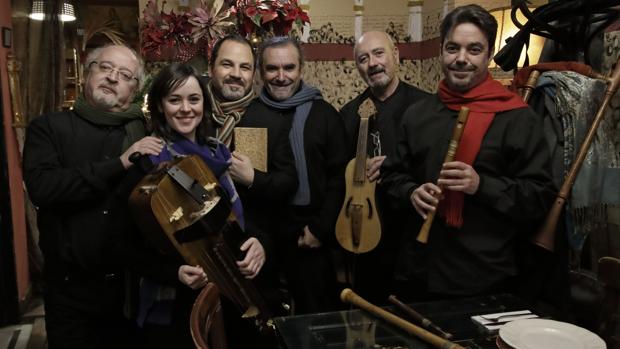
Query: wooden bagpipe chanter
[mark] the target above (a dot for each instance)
(182, 207)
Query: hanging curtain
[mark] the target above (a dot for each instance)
(39, 47)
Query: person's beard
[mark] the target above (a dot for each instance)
(233, 92)
(103, 100)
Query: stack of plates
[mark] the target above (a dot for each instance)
(547, 334)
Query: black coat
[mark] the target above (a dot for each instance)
(269, 194)
(325, 152)
(71, 170)
(514, 193)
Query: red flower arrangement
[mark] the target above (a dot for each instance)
(182, 36)
(273, 16)
(171, 36)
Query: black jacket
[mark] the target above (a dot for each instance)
(71, 170)
(264, 201)
(514, 192)
(325, 151)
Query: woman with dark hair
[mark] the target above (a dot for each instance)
(177, 106)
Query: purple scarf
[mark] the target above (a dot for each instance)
(156, 303)
(218, 160)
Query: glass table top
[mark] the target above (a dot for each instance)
(356, 329)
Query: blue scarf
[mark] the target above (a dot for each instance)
(302, 102)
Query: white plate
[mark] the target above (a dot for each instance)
(548, 334)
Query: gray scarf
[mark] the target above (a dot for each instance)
(302, 102)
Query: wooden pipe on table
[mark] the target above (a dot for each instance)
(348, 296)
(426, 323)
(457, 132)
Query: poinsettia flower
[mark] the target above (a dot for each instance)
(151, 12)
(268, 15)
(250, 12)
(248, 26)
(209, 24)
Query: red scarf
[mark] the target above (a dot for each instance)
(483, 101)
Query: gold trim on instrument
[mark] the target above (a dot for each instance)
(176, 215)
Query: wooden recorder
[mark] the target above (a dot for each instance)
(457, 132)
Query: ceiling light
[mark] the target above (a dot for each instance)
(38, 10)
(67, 12)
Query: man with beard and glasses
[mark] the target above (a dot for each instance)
(499, 185)
(376, 58)
(73, 162)
(317, 137)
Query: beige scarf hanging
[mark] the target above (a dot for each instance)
(227, 114)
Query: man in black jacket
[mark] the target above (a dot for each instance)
(376, 58)
(73, 161)
(499, 184)
(264, 189)
(231, 95)
(317, 138)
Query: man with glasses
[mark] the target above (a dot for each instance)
(73, 161)
(376, 58)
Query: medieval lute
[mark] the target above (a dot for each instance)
(358, 228)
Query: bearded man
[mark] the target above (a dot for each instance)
(376, 58)
(264, 193)
(231, 95)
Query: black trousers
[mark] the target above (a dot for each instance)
(87, 313)
(311, 278)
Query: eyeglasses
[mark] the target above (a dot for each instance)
(107, 69)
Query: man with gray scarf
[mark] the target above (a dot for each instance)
(318, 140)
(73, 162)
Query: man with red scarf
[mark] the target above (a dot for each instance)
(499, 184)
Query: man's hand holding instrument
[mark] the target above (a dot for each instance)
(426, 198)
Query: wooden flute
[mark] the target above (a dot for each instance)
(348, 296)
(457, 132)
(426, 323)
(545, 237)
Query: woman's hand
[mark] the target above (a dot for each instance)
(193, 277)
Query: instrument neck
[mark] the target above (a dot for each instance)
(362, 151)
